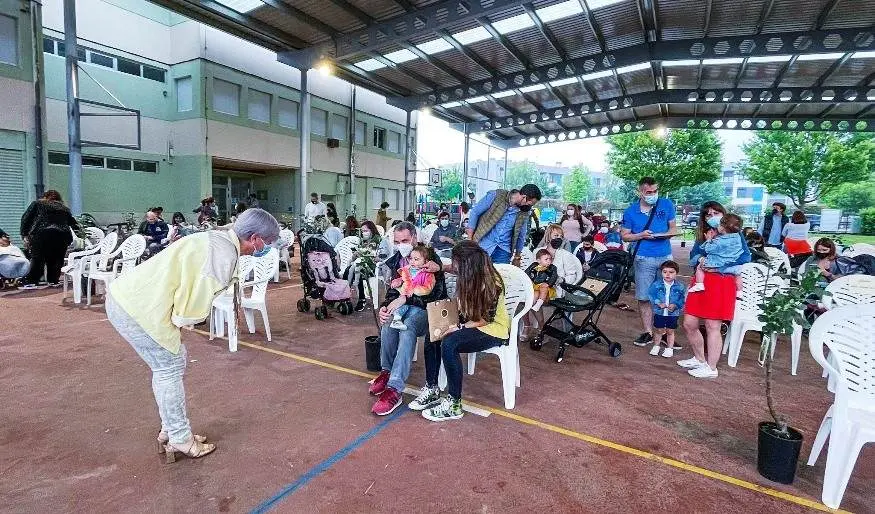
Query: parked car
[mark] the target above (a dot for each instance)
(691, 219)
(814, 220)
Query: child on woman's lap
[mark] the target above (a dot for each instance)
(722, 250)
(416, 280)
(544, 276)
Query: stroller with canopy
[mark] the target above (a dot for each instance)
(320, 274)
(600, 285)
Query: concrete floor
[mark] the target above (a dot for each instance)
(79, 423)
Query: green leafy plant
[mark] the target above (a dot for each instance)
(780, 313)
(366, 265)
(867, 221)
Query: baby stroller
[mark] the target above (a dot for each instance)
(598, 287)
(320, 273)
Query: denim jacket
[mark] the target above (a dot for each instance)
(677, 296)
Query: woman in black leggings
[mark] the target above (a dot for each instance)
(485, 324)
(46, 226)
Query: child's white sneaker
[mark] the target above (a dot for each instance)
(537, 306)
(655, 350)
(398, 324)
(696, 288)
(668, 353)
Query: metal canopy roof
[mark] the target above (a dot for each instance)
(535, 71)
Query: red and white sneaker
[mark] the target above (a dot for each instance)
(379, 384)
(388, 402)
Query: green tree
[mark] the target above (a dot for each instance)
(807, 166)
(683, 157)
(620, 192)
(701, 193)
(451, 186)
(576, 186)
(852, 198)
(521, 173)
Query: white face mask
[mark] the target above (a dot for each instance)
(366, 234)
(445, 223)
(404, 249)
(570, 212)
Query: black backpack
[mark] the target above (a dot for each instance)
(867, 262)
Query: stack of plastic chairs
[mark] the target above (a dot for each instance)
(125, 258)
(77, 261)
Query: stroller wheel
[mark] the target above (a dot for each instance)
(614, 350)
(345, 308)
(536, 343)
(321, 312)
(561, 354)
(303, 305)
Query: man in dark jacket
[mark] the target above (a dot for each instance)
(397, 346)
(773, 225)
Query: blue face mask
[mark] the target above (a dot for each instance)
(714, 221)
(261, 253)
(651, 199)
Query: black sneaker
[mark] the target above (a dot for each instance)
(360, 306)
(643, 340)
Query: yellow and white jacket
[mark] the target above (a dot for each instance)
(176, 288)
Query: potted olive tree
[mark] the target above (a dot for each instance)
(778, 443)
(367, 267)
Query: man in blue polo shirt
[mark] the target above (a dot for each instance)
(652, 251)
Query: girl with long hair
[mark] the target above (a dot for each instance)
(484, 323)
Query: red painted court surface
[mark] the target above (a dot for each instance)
(294, 431)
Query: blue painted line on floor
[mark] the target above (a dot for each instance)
(326, 464)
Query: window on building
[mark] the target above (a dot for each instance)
(318, 122)
(129, 67)
(8, 40)
(287, 113)
(378, 195)
(48, 45)
(62, 51)
(360, 129)
(146, 166)
(92, 162)
(380, 138)
(393, 143)
(338, 126)
(226, 97)
(757, 194)
(259, 106)
(727, 191)
(392, 197)
(101, 60)
(152, 73)
(59, 158)
(118, 164)
(184, 99)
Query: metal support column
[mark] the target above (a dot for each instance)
(504, 175)
(304, 117)
(74, 137)
(407, 167)
(465, 158)
(351, 137)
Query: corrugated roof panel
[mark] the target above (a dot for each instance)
(758, 75)
(396, 77)
(293, 26)
(735, 17)
(792, 15)
(378, 9)
(606, 87)
(575, 36)
(680, 77)
(848, 109)
(534, 46)
(804, 73)
(330, 14)
(856, 13)
(851, 72)
(493, 53)
(620, 25)
(427, 70)
(637, 81)
(462, 64)
(720, 76)
(683, 19)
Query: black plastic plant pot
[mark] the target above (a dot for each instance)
(372, 353)
(777, 453)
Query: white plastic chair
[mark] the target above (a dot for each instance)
(426, 233)
(527, 257)
(850, 290)
(344, 248)
(222, 311)
(77, 261)
(287, 239)
(98, 267)
(517, 291)
(859, 249)
(778, 260)
(94, 236)
(747, 312)
(849, 334)
(262, 268)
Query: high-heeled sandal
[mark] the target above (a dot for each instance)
(163, 439)
(195, 450)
